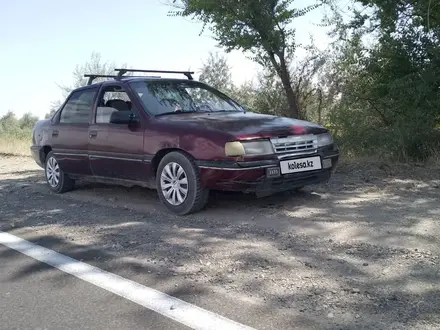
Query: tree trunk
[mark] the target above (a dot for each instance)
(283, 72)
(287, 85)
(320, 106)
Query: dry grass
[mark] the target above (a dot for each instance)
(16, 147)
(435, 157)
(383, 159)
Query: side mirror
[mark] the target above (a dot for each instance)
(123, 117)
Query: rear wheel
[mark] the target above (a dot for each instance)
(57, 180)
(178, 184)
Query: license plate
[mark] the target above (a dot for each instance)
(300, 165)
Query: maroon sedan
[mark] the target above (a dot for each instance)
(179, 136)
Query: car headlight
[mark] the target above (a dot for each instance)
(249, 148)
(324, 139)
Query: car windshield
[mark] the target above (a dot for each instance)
(164, 97)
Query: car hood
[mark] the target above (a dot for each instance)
(246, 125)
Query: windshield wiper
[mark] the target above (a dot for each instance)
(223, 110)
(175, 113)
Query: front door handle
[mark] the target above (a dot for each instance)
(55, 133)
(93, 134)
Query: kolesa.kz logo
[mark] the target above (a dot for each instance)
(298, 165)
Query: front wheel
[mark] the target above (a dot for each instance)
(57, 180)
(178, 184)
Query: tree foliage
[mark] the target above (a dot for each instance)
(19, 128)
(264, 94)
(390, 89)
(216, 72)
(260, 28)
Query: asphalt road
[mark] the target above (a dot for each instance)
(31, 299)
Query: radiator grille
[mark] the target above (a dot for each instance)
(295, 144)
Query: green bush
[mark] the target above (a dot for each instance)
(13, 129)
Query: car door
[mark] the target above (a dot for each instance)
(69, 133)
(116, 150)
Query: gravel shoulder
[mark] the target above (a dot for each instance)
(361, 252)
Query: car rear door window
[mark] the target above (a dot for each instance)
(78, 108)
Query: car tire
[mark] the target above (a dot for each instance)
(178, 184)
(57, 180)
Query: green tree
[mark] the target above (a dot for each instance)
(27, 121)
(261, 28)
(265, 94)
(14, 128)
(246, 94)
(268, 97)
(262, 97)
(9, 122)
(216, 72)
(389, 89)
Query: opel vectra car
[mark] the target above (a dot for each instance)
(179, 136)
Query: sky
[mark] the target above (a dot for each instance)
(41, 42)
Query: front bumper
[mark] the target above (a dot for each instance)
(258, 176)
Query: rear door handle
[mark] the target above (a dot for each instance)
(55, 133)
(93, 134)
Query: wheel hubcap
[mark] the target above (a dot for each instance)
(52, 172)
(174, 183)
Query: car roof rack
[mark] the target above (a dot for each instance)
(94, 76)
(121, 73)
(187, 74)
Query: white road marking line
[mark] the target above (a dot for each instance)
(174, 308)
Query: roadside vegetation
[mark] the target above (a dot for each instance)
(16, 133)
(377, 86)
